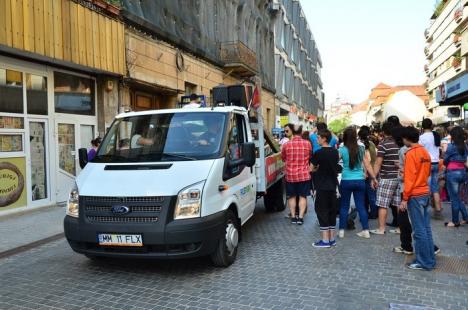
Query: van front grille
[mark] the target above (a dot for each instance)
(142, 209)
(121, 219)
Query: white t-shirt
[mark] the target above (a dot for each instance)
(427, 140)
(192, 105)
(134, 142)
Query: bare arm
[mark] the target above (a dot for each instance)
(378, 165)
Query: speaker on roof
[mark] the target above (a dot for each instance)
(220, 95)
(453, 112)
(239, 95)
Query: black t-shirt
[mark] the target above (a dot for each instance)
(325, 178)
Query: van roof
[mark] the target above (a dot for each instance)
(226, 109)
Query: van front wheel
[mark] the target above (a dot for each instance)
(226, 251)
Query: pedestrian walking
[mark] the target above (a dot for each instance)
(404, 223)
(314, 137)
(386, 166)
(416, 199)
(455, 160)
(364, 134)
(296, 156)
(325, 167)
(95, 145)
(431, 141)
(355, 160)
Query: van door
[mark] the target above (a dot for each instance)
(240, 178)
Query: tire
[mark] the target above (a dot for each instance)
(226, 251)
(275, 199)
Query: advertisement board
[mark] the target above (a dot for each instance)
(12, 183)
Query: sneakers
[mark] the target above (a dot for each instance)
(364, 234)
(399, 249)
(341, 233)
(415, 266)
(294, 220)
(332, 242)
(321, 244)
(436, 250)
(300, 221)
(377, 232)
(395, 231)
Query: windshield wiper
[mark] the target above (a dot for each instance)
(110, 157)
(178, 156)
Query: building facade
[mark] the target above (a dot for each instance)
(67, 67)
(60, 63)
(298, 65)
(446, 50)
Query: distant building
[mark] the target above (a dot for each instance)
(446, 51)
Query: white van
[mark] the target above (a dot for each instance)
(174, 183)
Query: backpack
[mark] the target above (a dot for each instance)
(437, 138)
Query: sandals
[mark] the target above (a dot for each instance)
(450, 224)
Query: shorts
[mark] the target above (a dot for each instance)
(326, 206)
(434, 178)
(301, 189)
(388, 193)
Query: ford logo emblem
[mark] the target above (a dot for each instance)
(120, 210)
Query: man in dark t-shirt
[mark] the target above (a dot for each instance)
(386, 166)
(325, 167)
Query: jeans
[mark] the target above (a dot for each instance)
(358, 189)
(371, 195)
(454, 179)
(418, 211)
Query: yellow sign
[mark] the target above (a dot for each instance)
(12, 183)
(284, 120)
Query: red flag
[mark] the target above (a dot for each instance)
(256, 98)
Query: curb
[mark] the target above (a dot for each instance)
(31, 245)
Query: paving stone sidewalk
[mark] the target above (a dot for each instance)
(22, 229)
(277, 268)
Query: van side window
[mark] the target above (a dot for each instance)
(237, 136)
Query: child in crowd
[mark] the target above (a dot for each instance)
(325, 167)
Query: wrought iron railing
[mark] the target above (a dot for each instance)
(236, 52)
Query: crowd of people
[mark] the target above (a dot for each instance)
(401, 169)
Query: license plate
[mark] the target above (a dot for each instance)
(120, 240)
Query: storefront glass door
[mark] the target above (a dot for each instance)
(38, 158)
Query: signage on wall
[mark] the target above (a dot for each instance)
(12, 183)
(186, 100)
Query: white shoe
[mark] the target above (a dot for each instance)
(364, 234)
(341, 233)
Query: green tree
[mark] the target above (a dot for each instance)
(339, 125)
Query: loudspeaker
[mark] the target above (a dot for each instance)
(239, 95)
(220, 95)
(453, 112)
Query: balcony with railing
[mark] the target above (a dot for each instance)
(239, 59)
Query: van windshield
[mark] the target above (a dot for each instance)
(164, 137)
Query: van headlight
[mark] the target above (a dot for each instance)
(73, 205)
(189, 202)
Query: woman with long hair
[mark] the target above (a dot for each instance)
(353, 180)
(371, 151)
(455, 161)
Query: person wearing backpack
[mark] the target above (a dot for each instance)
(430, 140)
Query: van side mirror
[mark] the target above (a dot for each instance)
(248, 154)
(83, 157)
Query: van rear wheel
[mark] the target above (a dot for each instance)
(275, 199)
(226, 251)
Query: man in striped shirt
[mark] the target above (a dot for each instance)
(386, 166)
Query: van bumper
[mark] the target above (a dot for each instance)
(179, 238)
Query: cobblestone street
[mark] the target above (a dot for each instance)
(277, 268)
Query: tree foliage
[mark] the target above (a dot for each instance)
(339, 125)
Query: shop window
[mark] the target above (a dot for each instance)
(190, 88)
(36, 94)
(11, 143)
(11, 91)
(73, 94)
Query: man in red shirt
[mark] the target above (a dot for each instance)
(296, 156)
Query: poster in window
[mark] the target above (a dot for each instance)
(11, 143)
(12, 183)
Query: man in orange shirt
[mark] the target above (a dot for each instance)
(416, 199)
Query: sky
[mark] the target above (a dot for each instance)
(364, 42)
